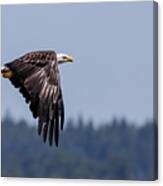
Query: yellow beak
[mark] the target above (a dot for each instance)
(69, 59)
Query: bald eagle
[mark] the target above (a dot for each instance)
(36, 75)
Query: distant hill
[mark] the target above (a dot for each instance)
(116, 150)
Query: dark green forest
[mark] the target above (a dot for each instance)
(114, 150)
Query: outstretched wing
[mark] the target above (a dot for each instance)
(36, 75)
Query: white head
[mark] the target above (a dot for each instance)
(63, 58)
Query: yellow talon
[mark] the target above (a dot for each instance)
(6, 72)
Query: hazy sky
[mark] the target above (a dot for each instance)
(112, 45)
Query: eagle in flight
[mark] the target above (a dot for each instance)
(36, 75)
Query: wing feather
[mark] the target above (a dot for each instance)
(45, 132)
(51, 132)
(36, 75)
(56, 126)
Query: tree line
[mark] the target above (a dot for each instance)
(114, 150)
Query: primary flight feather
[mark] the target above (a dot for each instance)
(36, 74)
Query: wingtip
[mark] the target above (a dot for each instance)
(39, 128)
(56, 139)
(56, 143)
(45, 130)
(62, 127)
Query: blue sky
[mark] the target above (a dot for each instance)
(112, 44)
